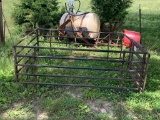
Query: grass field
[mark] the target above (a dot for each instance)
(54, 103)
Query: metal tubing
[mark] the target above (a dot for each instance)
(137, 69)
(140, 22)
(76, 49)
(35, 65)
(50, 40)
(140, 57)
(79, 77)
(145, 73)
(137, 72)
(83, 68)
(81, 85)
(25, 64)
(136, 82)
(121, 72)
(15, 64)
(137, 65)
(98, 44)
(27, 44)
(24, 38)
(25, 54)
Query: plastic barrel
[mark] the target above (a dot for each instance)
(132, 35)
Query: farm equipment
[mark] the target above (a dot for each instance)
(85, 25)
(79, 24)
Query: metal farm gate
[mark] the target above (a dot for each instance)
(43, 58)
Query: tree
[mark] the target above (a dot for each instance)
(37, 13)
(110, 11)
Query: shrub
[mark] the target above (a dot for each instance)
(37, 13)
(110, 11)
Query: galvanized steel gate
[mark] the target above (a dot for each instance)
(41, 59)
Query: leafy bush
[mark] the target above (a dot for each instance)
(110, 11)
(37, 13)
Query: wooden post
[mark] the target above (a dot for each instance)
(1, 25)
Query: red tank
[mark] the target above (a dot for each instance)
(131, 34)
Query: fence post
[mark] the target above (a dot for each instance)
(140, 22)
(1, 25)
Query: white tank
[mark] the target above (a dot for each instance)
(86, 21)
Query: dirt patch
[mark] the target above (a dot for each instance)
(40, 114)
(24, 110)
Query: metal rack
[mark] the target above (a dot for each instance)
(41, 59)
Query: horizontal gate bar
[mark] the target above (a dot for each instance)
(80, 85)
(83, 68)
(73, 58)
(65, 58)
(98, 44)
(68, 76)
(78, 49)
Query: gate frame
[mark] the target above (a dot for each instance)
(140, 73)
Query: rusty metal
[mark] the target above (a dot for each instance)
(71, 13)
(40, 60)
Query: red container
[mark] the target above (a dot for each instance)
(132, 35)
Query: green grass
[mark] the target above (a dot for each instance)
(18, 102)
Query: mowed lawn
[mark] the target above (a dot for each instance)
(54, 103)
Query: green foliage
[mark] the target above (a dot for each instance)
(9, 92)
(144, 106)
(110, 10)
(37, 13)
(64, 107)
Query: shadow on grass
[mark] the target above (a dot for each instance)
(58, 104)
(153, 79)
(66, 103)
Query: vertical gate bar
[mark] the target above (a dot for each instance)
(140, 22)
(121, 46)
(130, 55)
(108, 47)
(146, 70)
(15, 64)
(143, 80)
(121, 73)
(36, 49)
(130, 59)
(35, 63)
(35, 69)
(50, 40)
(37, 35)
